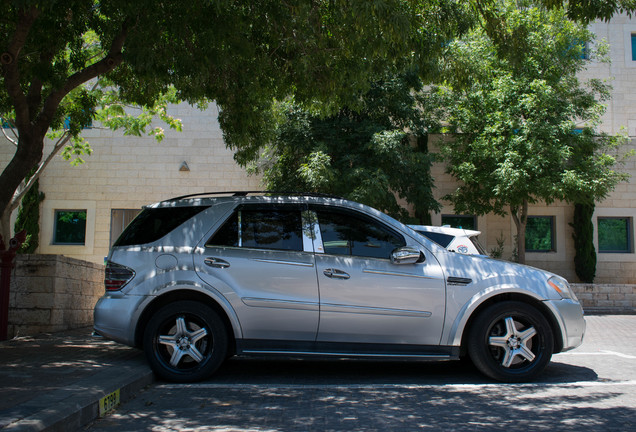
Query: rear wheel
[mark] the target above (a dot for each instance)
(511, 342)
(185, 341)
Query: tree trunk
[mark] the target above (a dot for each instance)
(5, 228)
(520, 216)
(27, 156)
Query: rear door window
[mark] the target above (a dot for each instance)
(275, 228)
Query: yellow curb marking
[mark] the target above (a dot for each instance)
(108, 403)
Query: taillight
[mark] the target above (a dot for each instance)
(117, 276)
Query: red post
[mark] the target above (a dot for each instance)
(6, 264)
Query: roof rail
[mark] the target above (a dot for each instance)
(246, 193)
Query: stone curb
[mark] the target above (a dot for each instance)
(609, 311)
(70, 408)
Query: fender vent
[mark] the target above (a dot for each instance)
(458, 281)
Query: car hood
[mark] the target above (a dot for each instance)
(479, 273)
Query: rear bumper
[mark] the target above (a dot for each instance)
(115, 318)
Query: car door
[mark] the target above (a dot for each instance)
(364, 297)
(263, 262)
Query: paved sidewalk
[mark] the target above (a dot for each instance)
(54, 382)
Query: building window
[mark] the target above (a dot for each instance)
(88, 123)
(70, 227)
(468, 222)
(119, 219)
(585, 51)
(615, 235)
(540, 234)
(633, 46)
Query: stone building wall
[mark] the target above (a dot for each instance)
(52, 293)
(607, 298)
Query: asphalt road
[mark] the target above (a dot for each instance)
(592, 387)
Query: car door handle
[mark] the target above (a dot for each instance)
(216, 262)
(336, 274)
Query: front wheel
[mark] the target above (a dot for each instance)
(185, 341)
(511, 342)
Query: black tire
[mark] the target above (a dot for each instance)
(510, 342)
(185, 341)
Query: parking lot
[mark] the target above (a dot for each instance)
(593, 386)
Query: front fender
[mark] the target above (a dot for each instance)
(454, 330)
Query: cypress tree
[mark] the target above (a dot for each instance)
(585, 258)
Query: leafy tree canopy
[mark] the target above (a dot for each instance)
(369, 155)
(63, 60)
(511, 40)
(585, 11)
(526, 127)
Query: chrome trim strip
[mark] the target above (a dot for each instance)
(294, 263)
(337, 308)
(280, 304)
(394, 273)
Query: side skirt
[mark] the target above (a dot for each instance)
(259, 347)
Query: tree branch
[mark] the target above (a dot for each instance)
(515, 216)
(113, 59)
(11, 140)
(34, 95)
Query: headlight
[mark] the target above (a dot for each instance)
(562, 287)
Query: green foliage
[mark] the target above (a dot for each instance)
(112, 112)
(498, 251)
(29, 219)
(67, 63)
(526, 128)
(369, 155)
(331, 66)
(588, 10)
(585, 258)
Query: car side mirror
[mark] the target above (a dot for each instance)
(407, 255)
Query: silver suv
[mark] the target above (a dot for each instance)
(194, 280)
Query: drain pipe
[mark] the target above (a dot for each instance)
(7, 257)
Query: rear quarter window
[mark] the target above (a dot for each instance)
(154, 223)
(441, 239)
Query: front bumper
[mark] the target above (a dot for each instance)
(569, 315)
